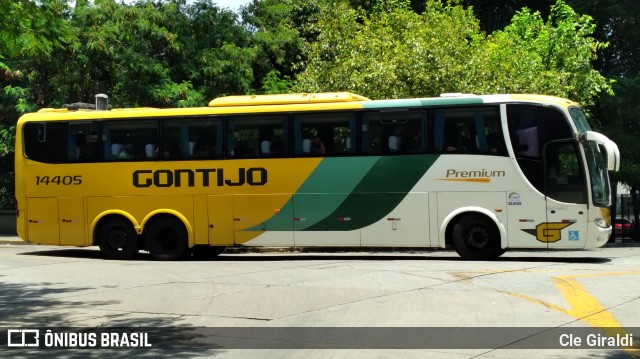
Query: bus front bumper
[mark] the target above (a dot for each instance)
(598, 236)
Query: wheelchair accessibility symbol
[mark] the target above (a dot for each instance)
(574, 235)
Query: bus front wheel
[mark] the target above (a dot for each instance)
(166, 238)
(117, 239)
(476, 237)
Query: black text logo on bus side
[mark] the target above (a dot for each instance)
(205, 177)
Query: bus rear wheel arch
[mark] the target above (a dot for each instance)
(166, 238)
(117, 238)
(475, 237)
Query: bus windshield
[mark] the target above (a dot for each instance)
(579, 120)
(598, 173)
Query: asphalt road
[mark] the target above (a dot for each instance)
(52, 287)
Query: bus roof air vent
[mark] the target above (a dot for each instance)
(286, 99)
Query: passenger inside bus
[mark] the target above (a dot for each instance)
(201, 150)
(127, 152)
(317, 146)
(86, 151)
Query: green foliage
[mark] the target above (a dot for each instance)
(31, 28)
(272, 83)
(390, 53)
(549, 57)
(620, 117)
(280, 29)
(7, 178)
(394, 52)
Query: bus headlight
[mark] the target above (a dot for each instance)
(601, 223)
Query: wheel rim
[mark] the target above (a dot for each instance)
(478, 237)
(117, 239)
(167, 239)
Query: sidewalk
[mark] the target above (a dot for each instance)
(13, 240)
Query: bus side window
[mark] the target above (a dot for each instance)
(531, 126)
(473, 130)
(331, 133)
(46, 142)
(252, 136)
(393, 132)
(83, 142)
(192, 138)
(125, 141)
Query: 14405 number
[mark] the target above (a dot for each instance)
(58, 180)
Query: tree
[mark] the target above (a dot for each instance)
(394, 52)
(28, 30)
(280, 29)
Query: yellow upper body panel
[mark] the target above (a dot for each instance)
(559, 101)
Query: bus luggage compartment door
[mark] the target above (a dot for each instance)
(263, 220)
(42, 221)
(71, 221)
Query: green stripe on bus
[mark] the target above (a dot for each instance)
(383, 188)
(325, 189)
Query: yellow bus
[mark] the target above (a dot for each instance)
(481, 174)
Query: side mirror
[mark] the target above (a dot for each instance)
(611, 149)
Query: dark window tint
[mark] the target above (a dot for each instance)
(131, 140)
(192, 138)
(530, 127)
(257, 136)
(324, 134)
(390, 132)
(47, 142)
(565, 176)
(83, 144)
(468, 130)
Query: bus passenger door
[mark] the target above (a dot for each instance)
(565, 187)
(42, 220)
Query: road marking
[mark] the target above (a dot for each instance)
(583, 305)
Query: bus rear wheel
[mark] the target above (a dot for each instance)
(117, 239)
(166, 238)
(475, 237)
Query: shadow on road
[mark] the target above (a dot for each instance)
(360, 255)
(55, 306)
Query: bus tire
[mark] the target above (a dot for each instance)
(117, 239)
(206, 252)
(476, 237)
(166, 238)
